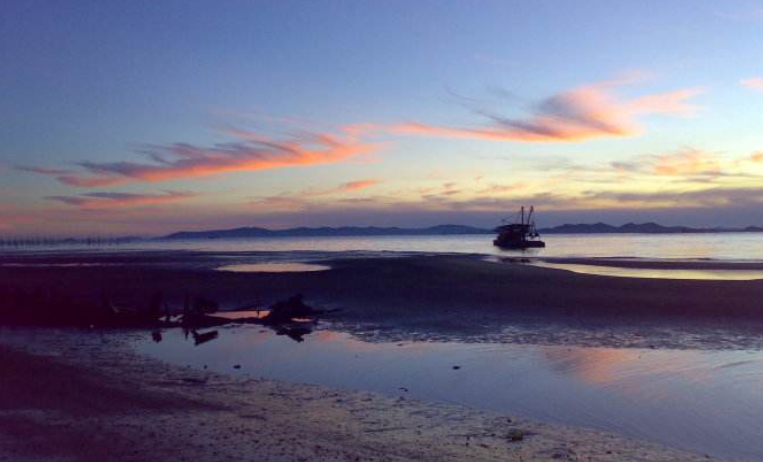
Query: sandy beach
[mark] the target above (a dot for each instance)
(63, 384)
(89, 397)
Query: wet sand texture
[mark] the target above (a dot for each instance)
(98, 401)
(402, 288)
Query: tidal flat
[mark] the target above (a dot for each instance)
(418, 356)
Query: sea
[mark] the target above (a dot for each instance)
(745, 247)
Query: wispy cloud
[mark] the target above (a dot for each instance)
(302, 199)
(108, 200)
(357, 185)
(9, 222)
(702, 198)
(42, 170)
(582, 113)
(13, 216)
(687, 162)
(684, 162)
(502, 188)
(755, 83)
(749, 12)
(250, 152)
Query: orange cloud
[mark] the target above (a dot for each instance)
(11, 217)
(91, 181)
(358, 185)
(351, 186)
(757, 156)
(251, 152)
(686, 162)
(583, 113)
(7, 223)
(755, 83)
(673, 103)
(502, 188)
(300, 200)
(108, 200)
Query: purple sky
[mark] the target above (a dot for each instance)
(148, 117)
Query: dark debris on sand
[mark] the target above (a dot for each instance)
(56, 309)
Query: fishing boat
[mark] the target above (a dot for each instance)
(521, 235)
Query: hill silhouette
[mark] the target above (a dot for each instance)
(445, 230)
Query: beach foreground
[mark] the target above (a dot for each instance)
(88, 397)
(85, 394)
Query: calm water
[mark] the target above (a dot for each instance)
(731, 246)
(705, 401)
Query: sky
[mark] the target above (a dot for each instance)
(148, 117)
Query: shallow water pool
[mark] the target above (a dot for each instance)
(704, 401)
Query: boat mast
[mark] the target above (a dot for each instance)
(522, 214)
(529, 215)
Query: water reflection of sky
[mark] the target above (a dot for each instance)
(721, 246)
(706, 401)
(614, 271)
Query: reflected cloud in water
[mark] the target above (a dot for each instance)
(674, 397)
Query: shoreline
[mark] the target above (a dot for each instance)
(664, 264)
(459, 297)
(148, 410)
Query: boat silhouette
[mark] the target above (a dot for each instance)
(521, 235)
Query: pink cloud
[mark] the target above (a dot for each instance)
(583, 113)
(755, 83)
(351, 186)
(502, 188)
(11, 217)
(358, 185)
(671, 103)
(301, 199)
(91, 181)
(250, 152)
(686, 162)
(10, 222)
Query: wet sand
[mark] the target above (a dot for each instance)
(461, 296)
(701, 264)
(88, 397)
(145, 410)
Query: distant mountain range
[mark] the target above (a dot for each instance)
(641, 228)
(447, 230)
(441, 230)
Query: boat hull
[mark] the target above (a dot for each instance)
(520, 245)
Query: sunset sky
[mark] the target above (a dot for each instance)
(146, 117)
